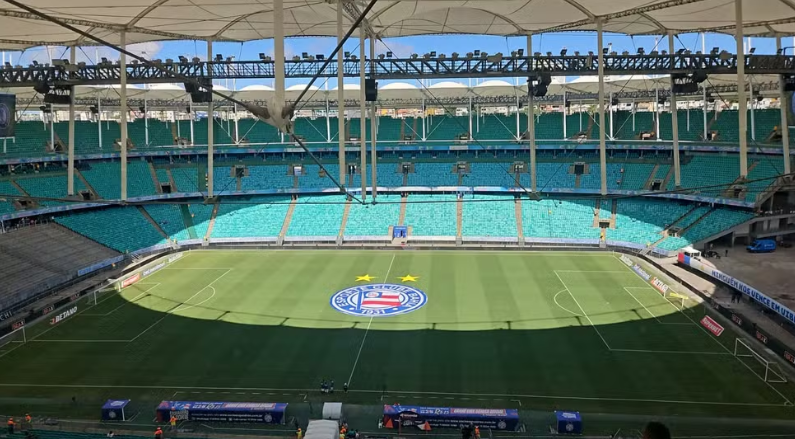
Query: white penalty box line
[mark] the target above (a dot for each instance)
(166, 314)
(427, 395)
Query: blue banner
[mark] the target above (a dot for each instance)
(237, 412)
(453, 417)
(8, 115)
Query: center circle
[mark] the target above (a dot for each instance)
(378, 300)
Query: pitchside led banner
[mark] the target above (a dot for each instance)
(8, 115)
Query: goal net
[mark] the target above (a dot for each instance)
(12, 340)
(766, 370)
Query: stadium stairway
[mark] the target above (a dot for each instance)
(729, 191)
(155, 180)
(681, 218)
(459, 220)
(82, 178)
(344, 222)
(517, 209)
(613, 213)
(171, 180)
(286, 226)
(152, 221)
(650, 180)
(187, 219)
(212, 222)
(402, 218)
(597, 213)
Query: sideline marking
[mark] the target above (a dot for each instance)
(143, 293)
(429, 395)
(649, 311)
(787, 402)
(583, 310)
(367, 331)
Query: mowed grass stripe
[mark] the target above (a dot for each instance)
(257, 344)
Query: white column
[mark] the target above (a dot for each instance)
(70, 172)
(674, 120)
(191, 116)
(657, 112)
(531, 121)
(565, 114)
(518, 111)
(99, 121)
(123, 112)
(601, 106)
(328, 120)
(362, 119)
(424, 111)
(340, 99)
(704, 89)
(146, 122)
(741, 98)
(753, 104)
(211, 126)
(237, 127)
(373, 134)
(784, 123)
(612, 132)
(469, 116)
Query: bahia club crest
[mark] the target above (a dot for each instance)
(378, 300)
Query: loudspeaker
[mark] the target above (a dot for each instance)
(370, 90)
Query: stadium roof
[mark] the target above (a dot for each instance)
(245, 20)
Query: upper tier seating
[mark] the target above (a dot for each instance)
(317, 216)
(250, 217)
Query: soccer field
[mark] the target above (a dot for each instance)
(533, 330)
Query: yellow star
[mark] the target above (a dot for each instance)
(365, 278)
(408, 278)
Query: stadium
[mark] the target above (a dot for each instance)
(234, 238)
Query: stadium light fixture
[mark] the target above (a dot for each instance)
(520, 52)
(563, 52)
(433, 54)
(752, 51)
(320, 57)
(454, 55)
(219, 57)
(641, 51)
(182, 59)
(714, 51)
(389, 54)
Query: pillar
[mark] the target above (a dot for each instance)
(612, 131)
(674, 120)
(123, 112)
(211, 127)
(362, 117)
(601, 107)
(340, 99)
(99, 121)
(741, 97)
(146, 122)
(784, 109)
(70, 172)
(531, 121)
(565, 114)
(373, 134)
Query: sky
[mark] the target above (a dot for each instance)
(401, 47)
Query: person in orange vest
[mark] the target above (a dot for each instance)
(299, 434)
(158, 433)
(10, 425)
(173, 422)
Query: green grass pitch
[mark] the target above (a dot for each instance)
(577, 331)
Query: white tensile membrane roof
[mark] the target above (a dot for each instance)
(246, 20)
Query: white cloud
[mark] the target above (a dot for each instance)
(399, 50)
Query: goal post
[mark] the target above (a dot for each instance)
(767, 370)
(12, 340)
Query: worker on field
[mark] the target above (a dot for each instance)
(477, 432)
(28, 421)
(345, 387)
(10, 425)
(158, 433)
(299, 434)
(173, 422)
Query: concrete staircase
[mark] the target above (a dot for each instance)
(596, 210)
(344, 223)
(517, 210)
(613, 214)
(402, 219)
(729, 192)
(649, 180)
(85, 182)
(668, 178)
(212, 223)
(188, 220)
(153, 173)
(459, 219)
(286, 225)
(152, 221)
(171, 181)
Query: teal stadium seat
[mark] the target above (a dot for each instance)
(121, 228)
(559, 219)
(169, 218)
(317, 216)
(49, 186)
(488, 216)
(373, 219)
(259, 217)
(430, 215)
